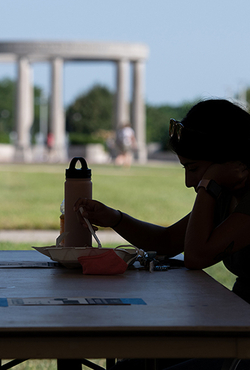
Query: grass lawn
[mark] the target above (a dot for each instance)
(31, 195)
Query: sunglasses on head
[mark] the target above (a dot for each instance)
(175, 128)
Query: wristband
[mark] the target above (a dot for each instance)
(211, 187)
(120, 220)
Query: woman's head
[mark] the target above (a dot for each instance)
(214, 130)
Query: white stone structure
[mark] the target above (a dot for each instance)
(56, 53)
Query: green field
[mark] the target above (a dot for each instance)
(30, 195)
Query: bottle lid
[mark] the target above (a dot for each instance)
(78, 173)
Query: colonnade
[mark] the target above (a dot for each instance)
(27, 53)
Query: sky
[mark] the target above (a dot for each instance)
(198, 48)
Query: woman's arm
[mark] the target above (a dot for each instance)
(206, 244)
(165, 240)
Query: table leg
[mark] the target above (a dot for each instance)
(65, 364)
(110, 362)
(150, 364)
(230, 364)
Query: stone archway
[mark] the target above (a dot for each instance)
(56, 53)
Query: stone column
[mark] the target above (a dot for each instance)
(24, 111)
(122, 105)
(57, 121)
(138, 110)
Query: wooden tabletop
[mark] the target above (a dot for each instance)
(187, 314)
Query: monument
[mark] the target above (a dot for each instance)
(25, 54)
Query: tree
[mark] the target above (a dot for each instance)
(90, 113)
(7, 101)
(158, 118)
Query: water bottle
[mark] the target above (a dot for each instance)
(77, 185)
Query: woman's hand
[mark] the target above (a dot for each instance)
(231, 175)
(97, 213)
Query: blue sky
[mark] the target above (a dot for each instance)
(198, 48)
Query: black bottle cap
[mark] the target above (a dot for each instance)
(78, 173)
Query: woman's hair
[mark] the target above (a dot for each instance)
(214, 130)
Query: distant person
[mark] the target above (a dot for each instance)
(126, 145)
(111, 146)
(50, 141)
(213, 145)
(50, 144)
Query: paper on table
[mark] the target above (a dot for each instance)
(28, 264)
(49, 301)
